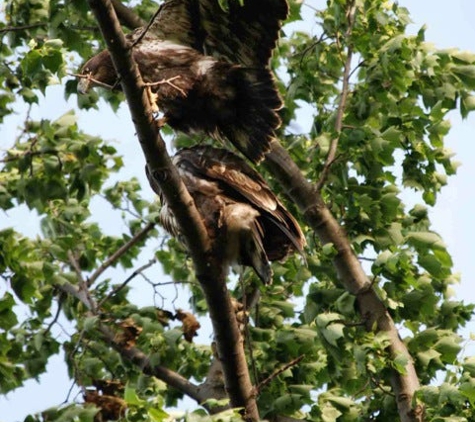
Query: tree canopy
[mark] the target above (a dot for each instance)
(366, 328)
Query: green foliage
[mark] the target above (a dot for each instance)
(391, 142)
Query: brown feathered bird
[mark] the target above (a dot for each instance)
(238, 209)
(209, 69)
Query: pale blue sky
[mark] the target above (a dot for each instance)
(449, 24)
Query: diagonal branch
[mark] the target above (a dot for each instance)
(342, 103)
(118, 288)
(138, 237)
(22, 27)
(138, 358)
(127, 16)
(133, 354)
(277, 372)
(153, 146)
(349, 270)
(208, 270)
(314, 210)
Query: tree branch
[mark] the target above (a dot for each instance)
(126, 16)
(23, 27)
(277, 372)
(342, 103)
(118, 288)
(349, 270)
(133, 354)
(208, 270)
(138, 358)
(139, 236)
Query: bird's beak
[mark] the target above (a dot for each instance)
(84, 85)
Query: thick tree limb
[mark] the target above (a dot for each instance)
(209, 271)
(153, 146)
(315, 212)
(349, 269)
(127, 17)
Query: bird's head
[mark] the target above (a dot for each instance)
(99, 70)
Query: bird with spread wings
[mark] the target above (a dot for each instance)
(238, 208)
(208, 69)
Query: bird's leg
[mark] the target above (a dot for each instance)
(162, 121)
(152, 98)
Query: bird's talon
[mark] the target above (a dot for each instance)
(161, 122)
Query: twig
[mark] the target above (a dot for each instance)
(342, 104)
(56, 316)
(369, 286)
(121, 251)
(246, 329)
(126, 208)
(146, 29)
(66, 400)
(168, 283)
(127, 281)
(168, 82)
(90, 78)
(312, 45)
(75, 264)
(378, 385)
(363, 258)
(276, 373)
(22, 27)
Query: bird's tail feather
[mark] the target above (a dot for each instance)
(254, 254)
(256, 105)
(295, 238)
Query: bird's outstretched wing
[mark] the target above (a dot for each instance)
(245, 33)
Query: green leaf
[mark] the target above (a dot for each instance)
(131, 397)
(468, 390)
(469, 365)
(427, 240)
(467, 105)
(331, 327)
(400, 363)
(90, 323)
(427, 356)
(449, 347)
(8, 318)
(329, 250)
(157, 415)
(66, 120)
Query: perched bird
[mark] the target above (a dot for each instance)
(208, 69)
(237, 207)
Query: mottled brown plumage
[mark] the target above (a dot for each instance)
(209, 69)
(238, 208)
